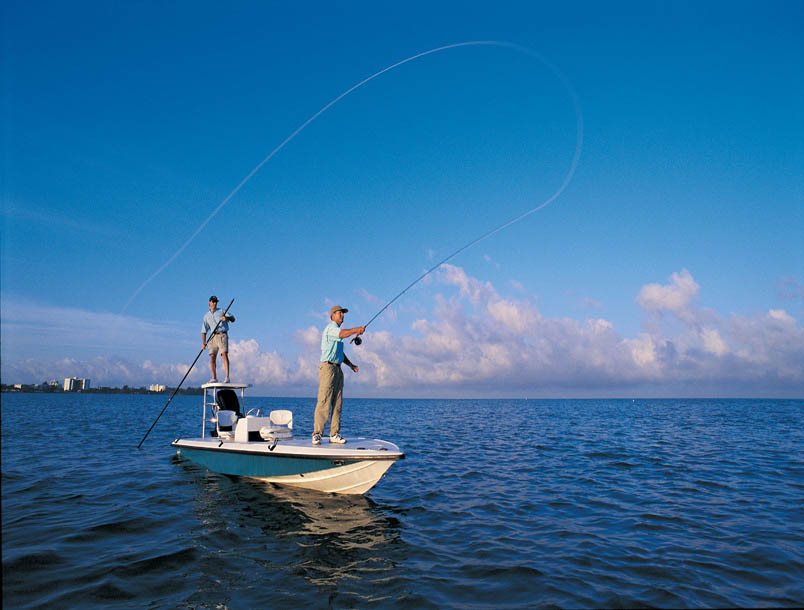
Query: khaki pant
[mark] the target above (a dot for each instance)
(330, 398)
(219, 342)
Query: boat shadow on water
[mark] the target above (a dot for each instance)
(322, 538)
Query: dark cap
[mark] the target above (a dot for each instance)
(337, 308)
(213, 298)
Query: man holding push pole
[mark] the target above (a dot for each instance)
(218, 340)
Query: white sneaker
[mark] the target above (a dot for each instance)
(337, 439)
(213, 380)
(226, 380)
(316, 439)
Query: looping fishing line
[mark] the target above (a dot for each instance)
(525, 50)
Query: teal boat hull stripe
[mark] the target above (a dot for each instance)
(252, 464)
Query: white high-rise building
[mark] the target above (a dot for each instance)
(75, 384)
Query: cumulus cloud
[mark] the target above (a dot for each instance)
(474, 341)
(677, 297)
(272, 369)
(476, 338)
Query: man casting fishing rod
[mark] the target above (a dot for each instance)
(330, 376)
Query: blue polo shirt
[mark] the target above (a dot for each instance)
(331, 344)
(211, 319)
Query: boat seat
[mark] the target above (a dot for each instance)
(226, 422)
(227, 401)
(280, 426)
(248, 428)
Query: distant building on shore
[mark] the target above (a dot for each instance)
(157, 387)
(75, 384)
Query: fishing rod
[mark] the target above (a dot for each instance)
(223, 317)
(573, 166)
(357, 340)
(570, 173)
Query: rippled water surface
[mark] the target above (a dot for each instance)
(499, 504)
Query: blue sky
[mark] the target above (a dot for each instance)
(672, 264)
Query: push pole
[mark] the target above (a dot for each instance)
(223, 317)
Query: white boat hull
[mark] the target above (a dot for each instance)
(353, 468)
(355, 478)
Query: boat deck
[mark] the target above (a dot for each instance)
(356, 448)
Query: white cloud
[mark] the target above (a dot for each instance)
(473, 341)
(642, 350)
(712, 342)
(512, 315)
(477, 339)
(469, 286)
(270, 368)
(678, 297)
(782, 316)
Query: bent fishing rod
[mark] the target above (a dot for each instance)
(567, 179)
(223, 317)
(357, 340)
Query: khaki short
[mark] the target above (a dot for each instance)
(219, 342)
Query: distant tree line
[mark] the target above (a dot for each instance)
(46, 388)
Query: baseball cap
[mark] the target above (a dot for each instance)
(337, 308)
(213, 298)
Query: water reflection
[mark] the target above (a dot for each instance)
(343, 545)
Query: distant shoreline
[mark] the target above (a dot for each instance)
(102, 390)
(197, 391)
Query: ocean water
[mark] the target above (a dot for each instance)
(499, 504)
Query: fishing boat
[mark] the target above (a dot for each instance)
(260, 445)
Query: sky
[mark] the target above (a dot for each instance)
(671, 264)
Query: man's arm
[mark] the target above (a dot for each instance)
(348, 332)
(348, 363)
